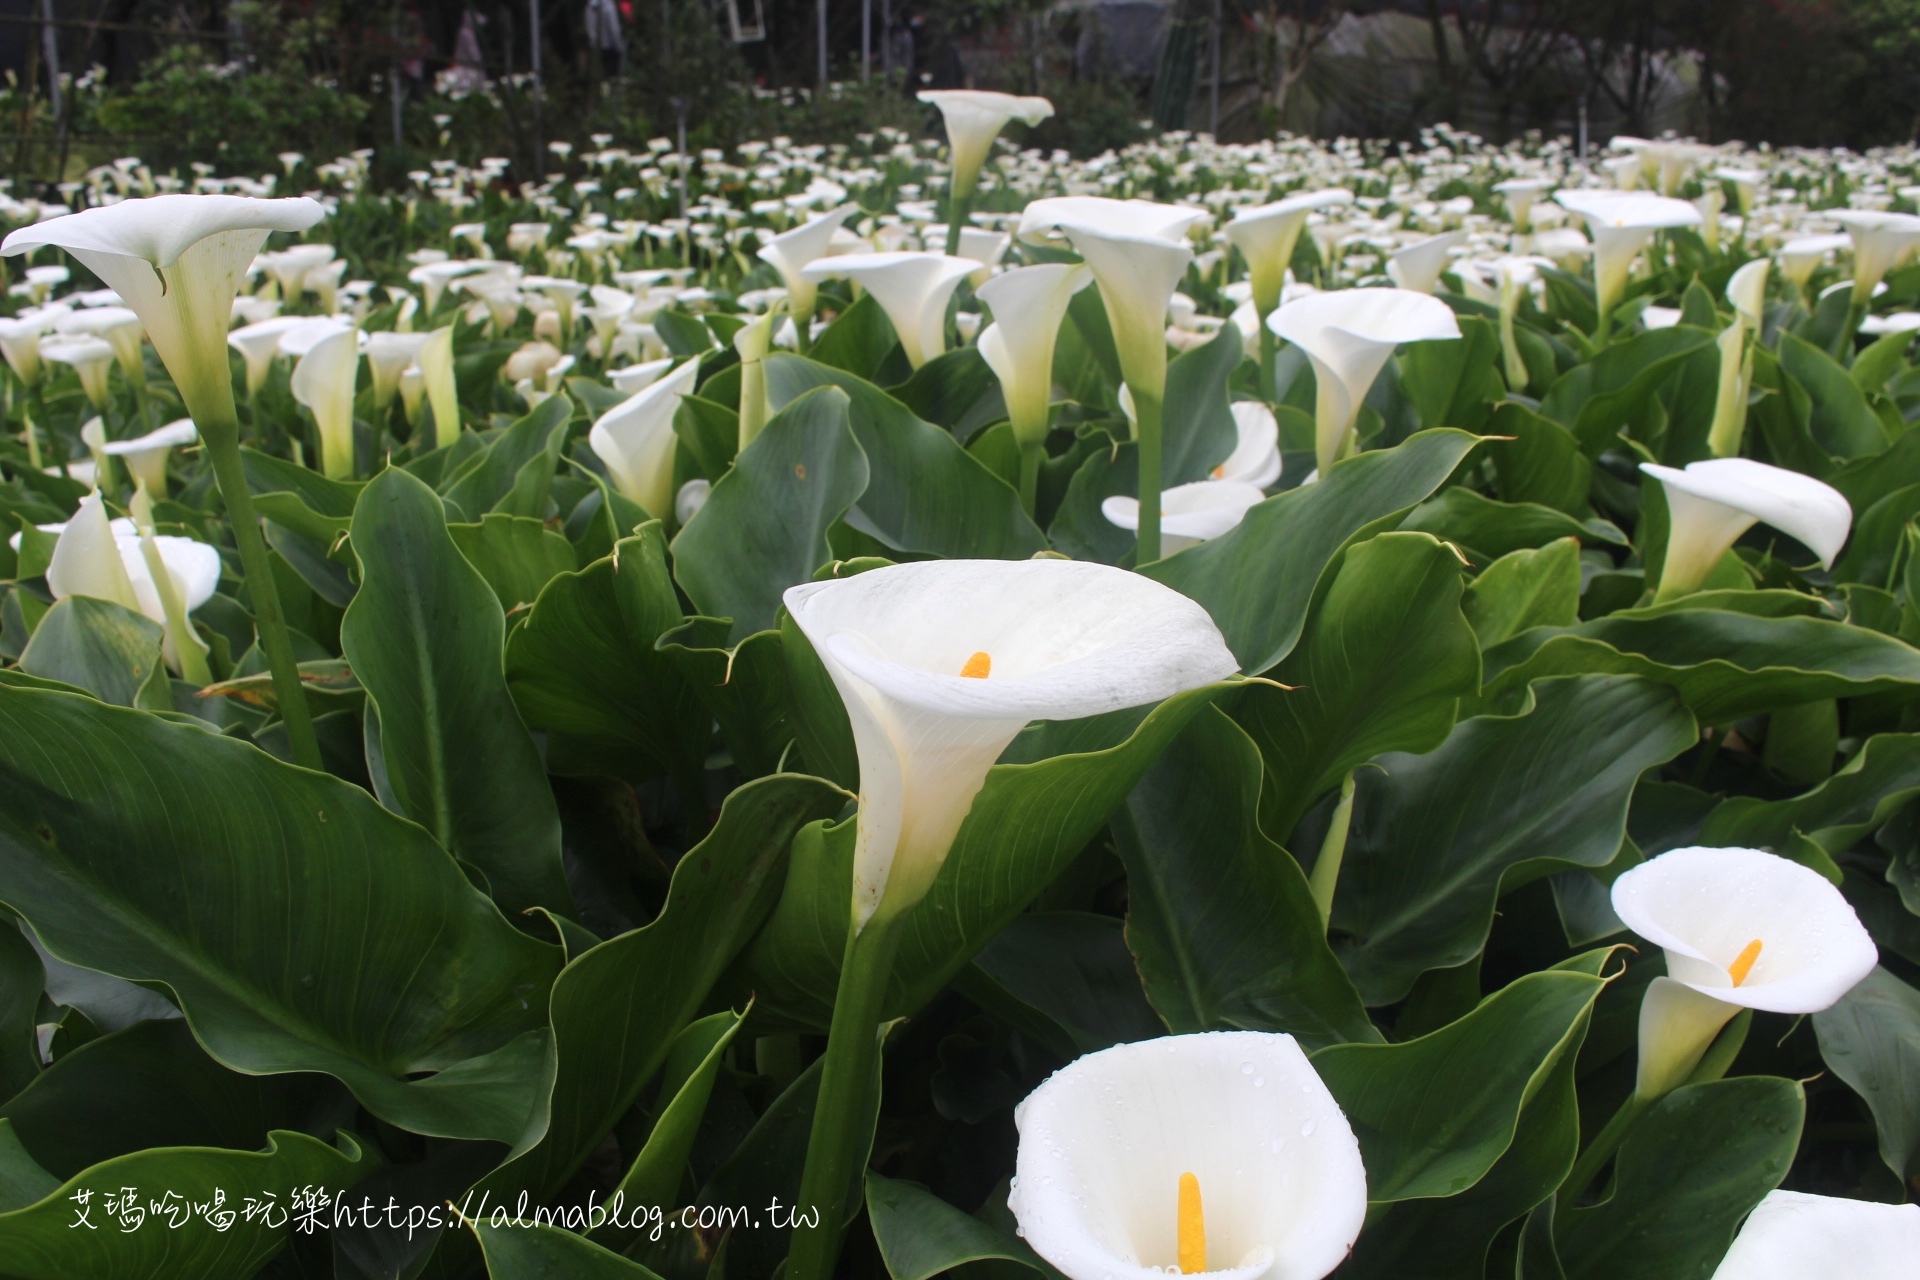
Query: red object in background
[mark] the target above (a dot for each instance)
(626, 10)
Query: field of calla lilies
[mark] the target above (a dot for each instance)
(870, 710)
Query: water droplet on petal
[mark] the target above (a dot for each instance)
(1306, 1130)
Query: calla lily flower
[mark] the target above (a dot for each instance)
(1710, 504)
(985, 248)
(20, 345)
(974, 118)
(639, 377)
(91, 359)
(323, 381)
(146, 456)
(434, 277)
(1348, 335)
(1796, 1236)
(1220, 1153)
(1522, 194)
(388, 356)
(1741, 928)
(635, 439)
(752, 342)
(1028, 304)
(1267, 234)
(1746, 186)
(435, 359)
(119, 328)
(1802, 256)
(177, 260)
(791, 252)
(258, 344)
(912, 288)
(1255, 459)
(941, 663)
(1189, 513)
(1621, 223)
(1747, 291)
(1418, 267)
(106, 560)
(1881, 241)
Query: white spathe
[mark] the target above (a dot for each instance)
(635, 440)
(1266, 234)
(1064, 639)
(91, 358)
(974, 118)
(1621, 223)
(638, 377)
(912, 288)
(1711, 503)
(1881, 241)
(1189, 513)
(1747, 291)
(1419, 266)
(1028, 304)
(1348, 335)
(791, 252)
(1707, 909)
(323, 381)
(1802, 255)
(177, 261)
(103, 559)
(1255, 459)
(388, 355)
(1796, 1236)
(1104, 1141)
(258, 343)
(146, 456)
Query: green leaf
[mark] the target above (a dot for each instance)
(925, 493)
(744, 689)
(1433, 1115)
(686, 1084)
(1542, 463)
(1197, 430)
(1494, 528)
(349, 944)
(821, 728)
(535, 1251)
(683, 334)
(955, 391)
(489, 476)
(764, 528)
(1525, 589)
(1258, 579)
(1863, 796)
(920, 1235)
(22, 980)
(1724, 664)
(584, 668)
(1382, 665)
(324, 505)
(1027, 824)
(1842, 424)
(859, 340)
(1073, 968)
(616, 1009)
(1690, 1170)
(1222, 922)
(1436, 838)
(1080, 528)
(1595, 400)
(212, 1192)
(1450, 383)
(1872, 368)
(1086, 364)
(517, 555)
(1878, 535)
(710, 432)
(424, 635)
(107, 649)
(22, 1181)
(1871, 1039)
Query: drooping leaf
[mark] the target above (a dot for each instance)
(955, 391)
(1871, 1039)
(489, 476)
(920, 1235)
(1452, 383)
(1842, 424)
(1525, 589)
(743, 688)
(1494, 528)
(1541, 463)
(538, 1251)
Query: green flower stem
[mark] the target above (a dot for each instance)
(1031, 456)
(837, 1145)
(221, 435)
(1147, 438)
(1843, 341)
(957, 203)
(1269, 357)
(1333, 849)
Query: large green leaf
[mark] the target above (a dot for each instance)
(920, 1235)
(925, 493)
(1026, 825)
(22, 980)
(22, 1180)
(1842, 423)
(1080, 528)
(1689, 1171)
(178, 1211)
(1226, 933)
(1451, 382)
(1724, 664)
(517, 555)
(1863, 796)
(1437, 837)
(1073, 968)
(1525, 589)
(744, 688)
(1382, 665)
(300, 925)
(1433, 1115)
(583, 667)
(1197, 429)
(1258, 579)
(764, 528)
(489, 477)
(1493, 529)
(956, 391)
(1596, 399)
(616, 1009)
(530, 1250)
(106, 649)
(1871, 1039)
(859, 340)
(424, 635)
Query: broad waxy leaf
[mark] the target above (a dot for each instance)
(22, 979)
(1197, 430)
(1525, 589)
(301, 926)
(1073, 969)
(425, 635)
(537, 1251)
(1871, 1039)
(1495, 528)
(106, 649)
(743, 688)
(921, 1235)
(517, 555)
(1842, 424)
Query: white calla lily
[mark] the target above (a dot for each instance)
(1741, 928)
(1266, 235)
(1711, 503)
(1189, 513)
(974, 118)
(791, 252)
(91, 358)
(1255, 459)
(323, 381)
(85, 560)
(1796, 1236)
(435, 359)
(635, 440)
(639, 377)
(940, 664)
(108, 560)
(389, 355)
(177, 261)
(1621, 223)
(1747, 291)
(1348, 335)
(912, 288)
(1221, 1153)
(1521, 195)
(146, 456)
(119, 328)
(1028, 305)
(1881, 241)
(1419, 266)
(20, 344)
(259, 343)
(1801, 256)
